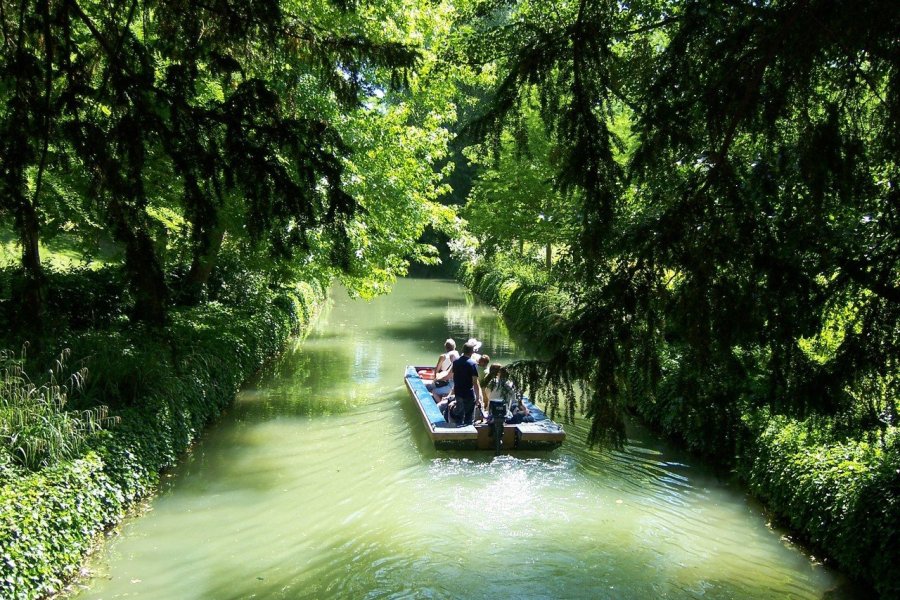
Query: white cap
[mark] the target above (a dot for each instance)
(476, 345)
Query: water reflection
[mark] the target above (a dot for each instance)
(320, 482)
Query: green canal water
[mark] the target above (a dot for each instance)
(321, 483)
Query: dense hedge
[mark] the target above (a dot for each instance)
(165, 387)
(523, 295)
(842, 495)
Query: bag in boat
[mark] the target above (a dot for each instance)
(442, 378)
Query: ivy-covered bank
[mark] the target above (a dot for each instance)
(839, 490)
(164, 386)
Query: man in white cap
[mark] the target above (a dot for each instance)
(481, 360)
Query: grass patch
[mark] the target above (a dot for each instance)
(62, 252)
(37, 429)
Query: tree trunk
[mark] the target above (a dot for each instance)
(203, 263)
(33, 291)
(549, 256)
(147, 280)
(142, 264)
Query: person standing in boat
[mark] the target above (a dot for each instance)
(482, 360)
(466, 386)
(443, 371)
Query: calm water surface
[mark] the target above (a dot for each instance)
(321, 483)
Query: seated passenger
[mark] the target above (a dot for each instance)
(451, 409)
(518, 412)
(443, 371)
(501, 387)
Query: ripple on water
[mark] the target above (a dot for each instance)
(321, 483)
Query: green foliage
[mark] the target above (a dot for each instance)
(835, 480)
(76, 299)
(843, 495)
(183, 129)
(395, 176)
(732, 175)
(514, 200)
(62, 249)
(37, 429)
(48, 522)
(164, 387)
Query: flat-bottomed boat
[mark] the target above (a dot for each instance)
(542, 434)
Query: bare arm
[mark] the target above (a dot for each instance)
(437, 367)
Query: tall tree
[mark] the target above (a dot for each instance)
(760, 199)
(222, 111)
(515, 199)
(30, 53)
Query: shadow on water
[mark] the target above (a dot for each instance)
(413, 420)
(422, 331)
(436, 303)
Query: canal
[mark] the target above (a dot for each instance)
(320, 483)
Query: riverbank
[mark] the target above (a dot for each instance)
(164, 387)
(840, 491)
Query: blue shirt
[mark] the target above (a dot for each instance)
(464, 369)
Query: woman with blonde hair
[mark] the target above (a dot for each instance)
(443, 371)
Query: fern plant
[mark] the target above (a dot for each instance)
(36, 429)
